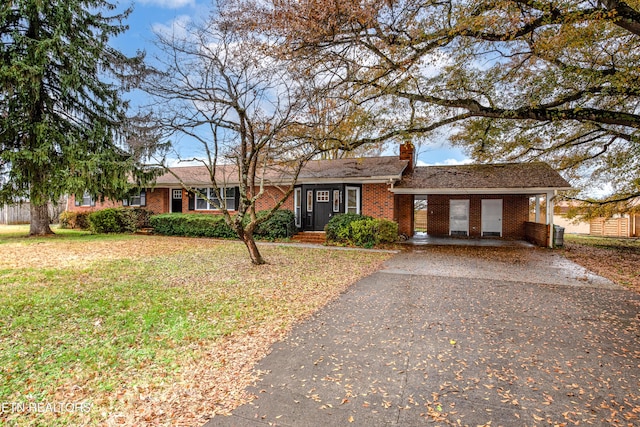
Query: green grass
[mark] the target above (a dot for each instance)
(20, 233)
(108, 326)
(612, 243)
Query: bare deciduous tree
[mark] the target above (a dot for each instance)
(254, 116)
(520, 79)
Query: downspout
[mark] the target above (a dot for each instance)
(550, 198)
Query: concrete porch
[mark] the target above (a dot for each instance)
(423, 239)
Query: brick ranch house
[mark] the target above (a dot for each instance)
(474, 201)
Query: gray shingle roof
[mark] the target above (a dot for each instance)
(368, 168)
(484, 176)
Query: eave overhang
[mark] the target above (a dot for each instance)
(472, 191)
(359, 180)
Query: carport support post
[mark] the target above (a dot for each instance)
(550, 197)
(537, 208)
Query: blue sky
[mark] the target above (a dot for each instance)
(150, 14)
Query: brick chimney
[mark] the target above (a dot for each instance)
(406, 153)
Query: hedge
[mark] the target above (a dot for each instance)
(361, 230)
(339, 227)
(191, 225)
(280, 226)
(370, 232)
(118, 220)
(74, 220)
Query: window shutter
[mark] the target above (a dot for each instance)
(192, 201)
(143, 197)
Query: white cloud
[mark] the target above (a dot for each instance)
(174, 28)
(447, 162)
(169, 4)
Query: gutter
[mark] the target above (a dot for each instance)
(470, 191)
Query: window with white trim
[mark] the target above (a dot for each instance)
(352, 200)
(297, 203)
(214, 200)
(138, 198)
(85, 200)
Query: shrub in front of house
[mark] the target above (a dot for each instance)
(360, 230)
(339, 227)
(386, 231)
(74, 220)
(370, 232)
(363, 233)
(113, 220)
(191, 225)
(281, 225)
(141, 217)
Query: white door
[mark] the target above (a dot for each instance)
(492, 218)
(459, 217)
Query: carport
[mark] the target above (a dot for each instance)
(512, 201)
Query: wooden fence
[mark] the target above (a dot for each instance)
(420, 220)
(20, 213)
(612, 227)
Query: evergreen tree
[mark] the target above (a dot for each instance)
(63, 127)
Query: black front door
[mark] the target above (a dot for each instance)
(322, 208)
(176, 200)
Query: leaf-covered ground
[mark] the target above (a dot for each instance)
(460, 336)
(616, 259)
(149, 330)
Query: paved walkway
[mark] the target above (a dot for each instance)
(477, 336)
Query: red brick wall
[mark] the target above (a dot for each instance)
(158, 200)
(438, 215)
(71, 205)
(185, 202)
(377, 201)
(515, 212)
(537, 233)
(404, 214)
(271, 196)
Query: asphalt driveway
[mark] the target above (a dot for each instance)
(459, 336)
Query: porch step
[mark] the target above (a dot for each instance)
(316, 237)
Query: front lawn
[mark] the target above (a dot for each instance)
(148, 330)
(616, 259)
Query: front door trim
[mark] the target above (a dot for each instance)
(175, 196)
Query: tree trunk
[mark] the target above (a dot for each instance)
(254, 253)
(39, 225)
